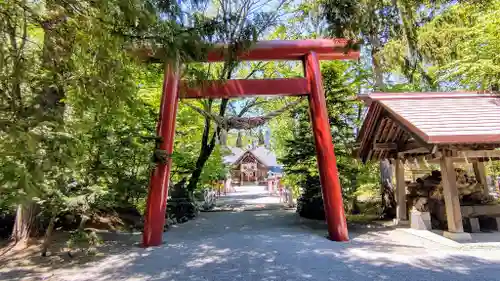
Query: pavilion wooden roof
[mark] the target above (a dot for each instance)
(412, 124)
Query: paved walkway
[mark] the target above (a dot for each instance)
(250, 198)
(273, 245)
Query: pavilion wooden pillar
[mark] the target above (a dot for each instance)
(451, 200)
(401, 211)
(480, 173)
(159, 181)
(329, 178)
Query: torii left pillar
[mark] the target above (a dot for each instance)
(158, 185)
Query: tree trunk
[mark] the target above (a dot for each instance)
(387, 190)
(206, 150)
(48, 236)
(376, 64)
(239, 142)
(386, 187)
(200, 163)
(24, 224)
(56, 55)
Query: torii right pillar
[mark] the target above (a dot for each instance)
(327, 164)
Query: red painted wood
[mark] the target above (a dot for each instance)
(158, 185)
(326, 49)
(247, 87)
(327, 164)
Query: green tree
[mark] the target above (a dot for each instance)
(462, 45)
(373, 21)
(380, 23)
(70, 112)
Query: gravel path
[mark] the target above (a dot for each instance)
(276, 245)
(250, 198)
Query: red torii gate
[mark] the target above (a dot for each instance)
(310, 52)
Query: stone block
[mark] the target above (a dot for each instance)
(401, 222)
(420, 220)
(498, 223)
(457, 236)
(474, 225)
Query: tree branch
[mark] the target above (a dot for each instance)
(250, 105)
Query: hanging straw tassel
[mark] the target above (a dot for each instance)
(465, 157)
(223, 137)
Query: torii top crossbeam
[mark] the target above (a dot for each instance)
(326, 49)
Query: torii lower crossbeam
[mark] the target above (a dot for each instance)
(310, 52)
(247, 87)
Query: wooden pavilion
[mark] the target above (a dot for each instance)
(447, 127)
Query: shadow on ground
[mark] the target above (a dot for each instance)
(26, 263)
(277, 245)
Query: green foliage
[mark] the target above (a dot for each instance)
(214, 168)
(78, 111)
(76, 134)
(368, 182)
(84, 240)
(446, 45)
(365, 18)
(463, 44)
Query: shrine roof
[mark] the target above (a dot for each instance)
(428, 119)
(261, 153)
(235, 154)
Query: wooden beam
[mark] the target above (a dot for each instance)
(367, 132)
(450, 192)
(478, 153)
(385, 146)
(434, 160)
(461, 156)
(480, 173)
(410, 147)
(418, 135)
(326, 49)
(401, 211)
(420, 150)
(246, 87)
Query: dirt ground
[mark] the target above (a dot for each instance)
(24, 262)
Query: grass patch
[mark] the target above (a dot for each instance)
(362, 218)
